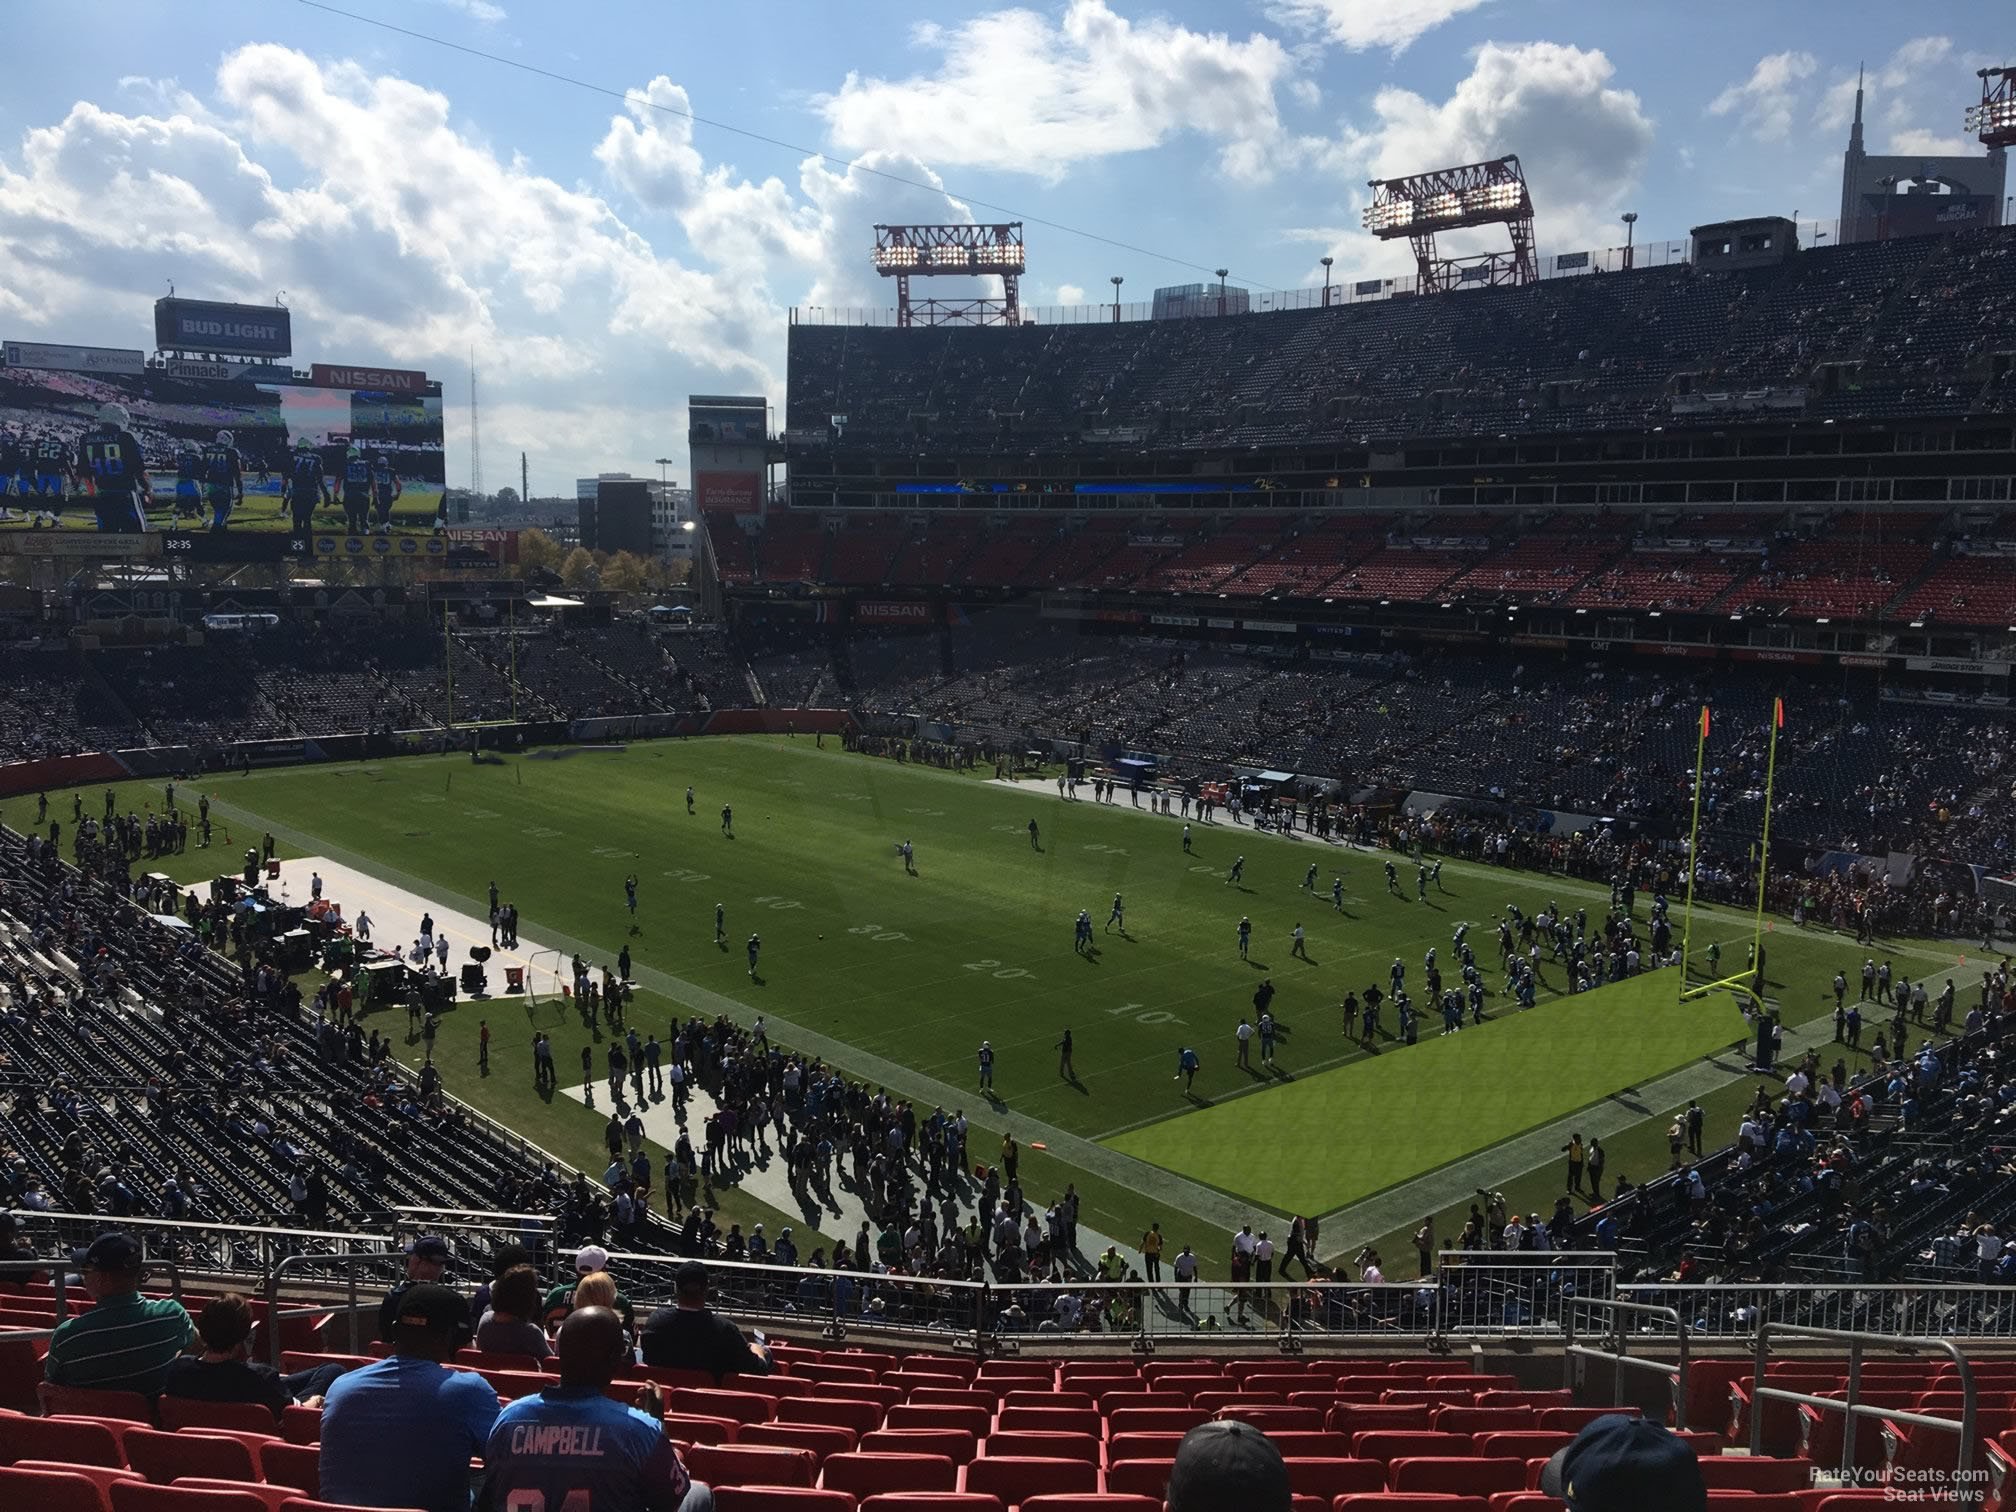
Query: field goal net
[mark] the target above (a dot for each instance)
(545, 971)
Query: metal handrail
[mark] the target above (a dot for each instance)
(350, 1262)
(1619, 1355)
(1852, 1407)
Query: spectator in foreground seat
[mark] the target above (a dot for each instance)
(1626, 1464)
(127, 1341)
(223, 1373)
(571, 1445)
(692, 1336)
(400, 1432)
(1227, 1463)
(426, 1260)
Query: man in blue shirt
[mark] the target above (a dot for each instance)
(572, 1446)
(401, 1432)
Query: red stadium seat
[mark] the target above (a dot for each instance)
(1575, 1419)
(1155, 1420)
(743, 1406)
(1365, 1417)
(1743, 1473)
(143, 1496)
(301, 1425)
(932, 1501)
(1394, 1443)
(1083, 1400)
(734, 1465)
(861, 1417)
(82, 1401)
(1091, 1501)
(100, 1476)
(167, 1457)
(185, 1412)
(1083, 1446)
(1329, 1478)
(54, 1490)
(975, 1420)
(954, 1396)
(1453, 1476)
(780, 1499)
(1050, 1420)
(885, 1396)
(959, 1445)
(1148, 1446)
(1524, 1444)
(1014, 1478)
(1317, 1443)
(296, 1465)
(866, 1474)
(1526, 1501)
(1406, 1501)
(275, 1497)
(1268, 1419)
(689, 1428)
(63, 1440)
(821, 1438)
(1476, 1420)
(1139, 1477)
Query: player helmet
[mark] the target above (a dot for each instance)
(114, 415)
(353, 452)
(302, 443)
(223, 438)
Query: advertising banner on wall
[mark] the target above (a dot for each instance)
(74, 359)
(740, 492)
(233, 330)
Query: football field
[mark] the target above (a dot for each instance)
(899, 977)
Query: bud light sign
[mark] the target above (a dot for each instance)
(194, 325)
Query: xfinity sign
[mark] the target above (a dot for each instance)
(191, 325)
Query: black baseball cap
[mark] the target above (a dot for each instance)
(1626, 1464)
(429, 1247)
(1227, 1463)
(432, 1307)
(690, 1275)
(109, 1252)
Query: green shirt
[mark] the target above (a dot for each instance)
(125, 1343)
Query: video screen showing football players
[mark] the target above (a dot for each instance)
(123, 453)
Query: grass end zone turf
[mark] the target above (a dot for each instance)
(1321, 1142)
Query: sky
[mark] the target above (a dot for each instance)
(526, 181)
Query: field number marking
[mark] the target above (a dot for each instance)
(928, 813)
(877, 932)
(483, 813)
(776, 902)
(541, 832)
(999, 972)
(685, 874)
(1106, 850)
(1151, 1016)
(611, 850)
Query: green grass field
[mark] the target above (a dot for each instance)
(914, 971)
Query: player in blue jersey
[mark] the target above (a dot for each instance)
(13, 463)
(188, 480)
(356, 492)
(223, 479)
(53, 470)
(385, 489)
(110, 457)
(306, 488)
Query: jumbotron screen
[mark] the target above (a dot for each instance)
(220, 455)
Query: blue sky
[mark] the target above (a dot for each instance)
(605, 259)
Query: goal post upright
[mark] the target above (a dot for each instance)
(1748, 981)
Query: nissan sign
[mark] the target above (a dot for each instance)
(75, 359)
(228, 330)
(386, 380)
(914, 613)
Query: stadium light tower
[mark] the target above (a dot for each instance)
(1448, 199)
(1117, 280)
(1630, 228)
(904, 252)
(1326, 259)
(1993, 121)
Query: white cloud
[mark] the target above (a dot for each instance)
(1363, 25)
(1070, 294)
(1913, 80)
(476, 10)
(1015, 91)
(1766, 101)
(1917, 141)
(403, 238)
(1582, 143)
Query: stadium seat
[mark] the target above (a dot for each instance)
(1745, 1473)
(861, 1417)
(82, 1401)
(1014, 1478)
(55, 1489)
(296, 1465)
(932, 1501)
(780, 1499)
(1523, 1444)
(1311, 1444)
(1091, 1501)
(166, 1457)
(743, 1406)
(1140, 1477)
(310, 1504)
(1014, 1443)
(735, 1465)
(857, 1391)
(821, 1438)
(954, 1396)
(143, 1496)
(1153, 1446)
(869, 1472)
(975, 1420)
(1526, 1501)
(1366, 1417)
(301, 1425)
(1476, 1420)
(173, 1413)
(1050, 1420)
(62, 1440)
(690, 1428)
(1329, 1478)
(274, 1496)
(100, 1476)
(957, 1444)
(1390, 1444)
(1275, 1419)
(1455, 1476)
(1155, 1420)
(1081, 1400)
(1408, 1501)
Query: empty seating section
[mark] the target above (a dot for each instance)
(1355, 1433)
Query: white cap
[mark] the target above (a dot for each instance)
(591, 1257)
